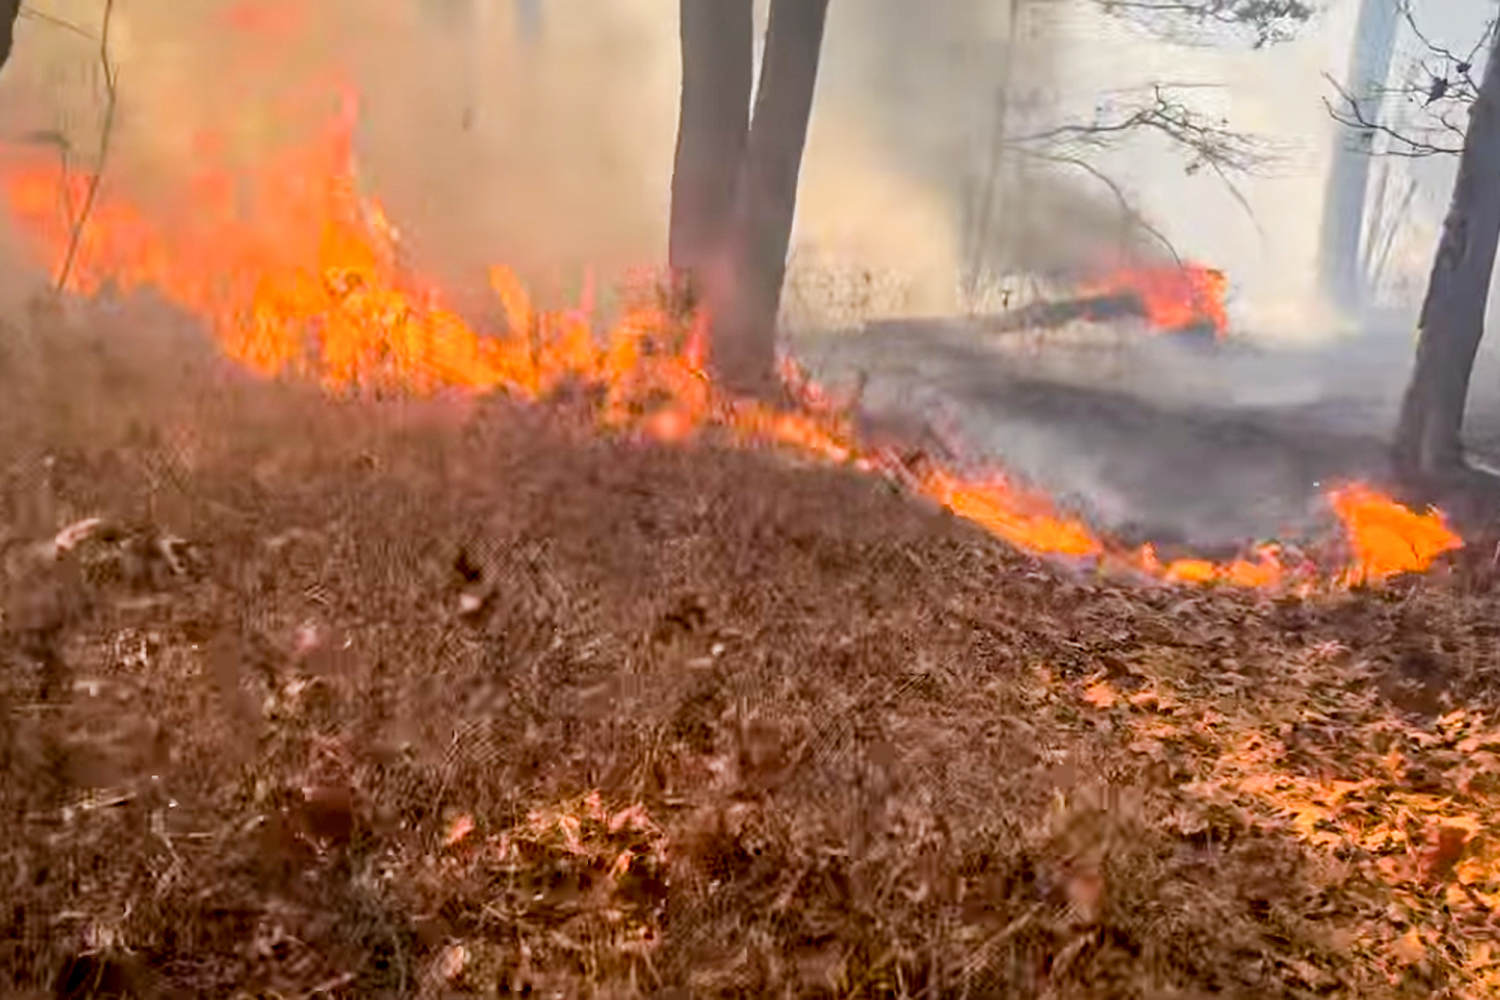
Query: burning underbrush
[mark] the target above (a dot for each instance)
(1183, 298)
(463, 697)
(377, 655)
(299, 274)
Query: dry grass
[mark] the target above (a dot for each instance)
(459, 698)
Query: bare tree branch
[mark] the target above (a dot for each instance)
(1127, 208)
(1268, 21)
(1444, 87)
(1239, 197)
(57, 22)
(111, 94)
(1209, 142)
(1464, 64)
(1350, 114)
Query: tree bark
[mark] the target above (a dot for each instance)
(1349, 176)
(1429, 451)
(718, 42)
(746, 294)
(9, 11)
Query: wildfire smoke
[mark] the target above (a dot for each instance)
(295, 272)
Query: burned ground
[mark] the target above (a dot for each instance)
(363, 698)
(1153, 437)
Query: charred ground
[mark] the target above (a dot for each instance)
(459, 697)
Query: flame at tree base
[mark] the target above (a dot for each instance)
(1387, 538)
(295, 272)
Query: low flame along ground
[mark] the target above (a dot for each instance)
(296, 273)
(1174, 297)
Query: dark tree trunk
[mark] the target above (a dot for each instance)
(746, 296)
(1429, 452)
(9, 10)
(718, 41)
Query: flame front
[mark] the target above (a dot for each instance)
(1386, 538)
(295, 272)
(1174, 297)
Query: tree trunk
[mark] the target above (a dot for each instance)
(993, 187)
(1349, 175)
(1429, 452)
(9, 10)
(718, 42)
(746, 293)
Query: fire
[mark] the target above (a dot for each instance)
(1026, 520)
(295, 272)
(1268, 570)
(1174, 298)
(1386, 538)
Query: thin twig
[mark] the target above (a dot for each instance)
(56, 21)
(1211, 143)
(1130, 211)
(1270, 21)
(105, 131)
(1353, 117)
(1238, 196)
(1449, 90)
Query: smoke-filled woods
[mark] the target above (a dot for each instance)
(487, 73)
(723, 498)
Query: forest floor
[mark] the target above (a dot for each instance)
(463, 698)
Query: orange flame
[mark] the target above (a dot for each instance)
(295, 272)
(1026, 520)
(1386, 538)
(1174, 298)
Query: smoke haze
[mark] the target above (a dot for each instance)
(547, 146)
(551, 150)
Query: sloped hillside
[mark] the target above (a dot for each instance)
(461, 698)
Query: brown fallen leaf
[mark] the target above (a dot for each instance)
(1152, 701)
(1101, 695)
(328, 811)
(1409, 948)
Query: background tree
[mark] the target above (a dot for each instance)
(1441, 86)
(712, 127)
(9, 10)
(1429, 450)
(1428, 453)
(734, 184)
(1166, 111)
(1340, 263)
